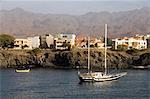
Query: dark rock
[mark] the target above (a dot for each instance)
(71, 59)
(143, 60)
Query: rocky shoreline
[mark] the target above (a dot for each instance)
(73, 58)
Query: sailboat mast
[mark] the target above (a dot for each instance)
(88, 54)
(105, 49)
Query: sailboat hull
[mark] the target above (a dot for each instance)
(109, 77)
(86, 77)
(99, 77)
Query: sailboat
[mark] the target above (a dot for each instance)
(99, 76)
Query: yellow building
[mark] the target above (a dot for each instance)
(22, 44)
(94, 42)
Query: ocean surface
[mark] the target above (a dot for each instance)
(64, 84)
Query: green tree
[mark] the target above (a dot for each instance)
(109, 42)
(36, 51)
(6, 41)
(122, 47)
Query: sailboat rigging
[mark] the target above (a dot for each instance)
(99, 76)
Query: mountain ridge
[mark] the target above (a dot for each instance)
(124, 23)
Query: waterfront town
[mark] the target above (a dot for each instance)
(67, 50)
(74, 49)
(65, 41)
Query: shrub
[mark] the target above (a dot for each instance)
(122, 47)
(6, 41)
(35, 51)
(131, 51)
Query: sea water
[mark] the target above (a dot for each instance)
(64, 84)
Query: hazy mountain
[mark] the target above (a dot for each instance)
(20, 22)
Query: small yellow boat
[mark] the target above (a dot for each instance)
(22, 70)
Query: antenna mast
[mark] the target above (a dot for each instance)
(88, 54)
(105, 49)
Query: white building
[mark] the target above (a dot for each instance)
(144, 37)
(35, 41)
(130, 43)
(59, 44)
(22, 44)
(61, 39)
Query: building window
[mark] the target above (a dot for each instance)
(64, 36)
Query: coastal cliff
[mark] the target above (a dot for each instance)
(73, 58)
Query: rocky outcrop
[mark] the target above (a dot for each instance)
(13, 58)
(143, 60)
(71, 59)
(80, 58)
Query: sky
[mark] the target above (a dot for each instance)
(73, 7)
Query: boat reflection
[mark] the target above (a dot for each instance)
(99, 84)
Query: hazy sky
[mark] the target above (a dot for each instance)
(74, 7)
